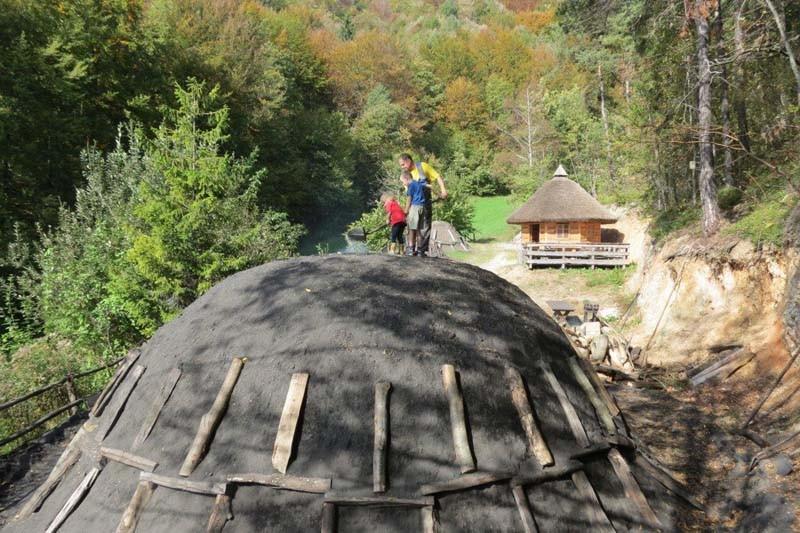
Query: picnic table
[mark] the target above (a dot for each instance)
(560, 308)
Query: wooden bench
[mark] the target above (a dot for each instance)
(560, 308)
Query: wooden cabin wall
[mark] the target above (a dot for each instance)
(577, 232)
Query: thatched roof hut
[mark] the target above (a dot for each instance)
(561, 211)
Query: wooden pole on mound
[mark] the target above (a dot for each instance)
(158, 403)
(220, 515)
(528, 523)
(458, 420)
(382, 389)
(210, 420)
(520, 398)
(569, 410)
(75, 498)
(41, 494)
(287, 427)
(127, 524)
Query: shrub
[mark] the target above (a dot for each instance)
(728, 197)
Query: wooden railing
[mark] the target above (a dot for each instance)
(72, 405)
(574, 254)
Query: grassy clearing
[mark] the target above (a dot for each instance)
(490, 216)
(599, 277)
(765, 223)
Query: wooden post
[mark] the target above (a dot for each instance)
(381, 422)
(569, 410)
(528, 523)
(108, 421)
(210, 420)
(220, 514)
(287, 427)
(429, 522)
(75, 499)
(600, 408)
(127, 524)
(589, 371)
(70, 386)
(600, 521)
(633, 493)
(328, 518)
(519, 396)
(40, 495)
(458, 421)
(158, 403)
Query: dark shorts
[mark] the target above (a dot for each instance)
(397, 232)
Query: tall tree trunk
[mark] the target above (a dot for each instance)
(727, 174)
(604, 116)
(779, 22)
(689, 109)
(738, 74)
(708, 190)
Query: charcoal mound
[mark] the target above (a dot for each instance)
(348, 323)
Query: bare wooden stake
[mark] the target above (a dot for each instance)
(377, 501)
(284, 481)
(458, 420)
(118, 404)
(569, 410)
(528, 523)
(519, 396)
(430, 524)
(328, 518)
(287, 427)
(633, 492)
(40, 495)
(70, 386)
(599, 407)
(600, 521)
(126, 458)
(119, 375)
(382, 389)
(127, 524)
(467, 481)
(176, 483)
(657, 473)
(210, 420)
(158, 404)
(75, 499)
(220, 515)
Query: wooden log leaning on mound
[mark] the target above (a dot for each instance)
(569, 410)
(599, 407)
(458, 421)
(519, 397)
(599, 386)
(210, 420)
(115, 408)
(381, 424)
(466, 481)
(658, 473)
(600, 521)
(119, 375)
(158, 403)
(129, 459)
(33, 504)
(75, 498)
(287, 427)
(377, 501)
(220, 514)
(328, 518)
(550, 474)
(633, 493)
(430, 524)
(284, 481)
(528, 523)
(130, 518)
(196, 487)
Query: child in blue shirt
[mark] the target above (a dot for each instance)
(415, 190)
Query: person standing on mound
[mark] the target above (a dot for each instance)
(425, 173)
(415, 190)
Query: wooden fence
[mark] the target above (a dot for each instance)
(73, 404)
(568, 254)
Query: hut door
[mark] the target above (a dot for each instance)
(534, 232)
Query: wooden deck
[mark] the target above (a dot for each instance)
(573, 254)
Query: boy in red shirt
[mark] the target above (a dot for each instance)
(397, 219)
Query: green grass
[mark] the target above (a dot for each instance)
(490, 216)
(600, 277)
(765, 223)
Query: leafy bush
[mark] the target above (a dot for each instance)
(728, 197)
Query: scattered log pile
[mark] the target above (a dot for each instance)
(599, 342)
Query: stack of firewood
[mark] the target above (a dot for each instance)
(601, 344)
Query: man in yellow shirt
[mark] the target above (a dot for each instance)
(423, 171)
